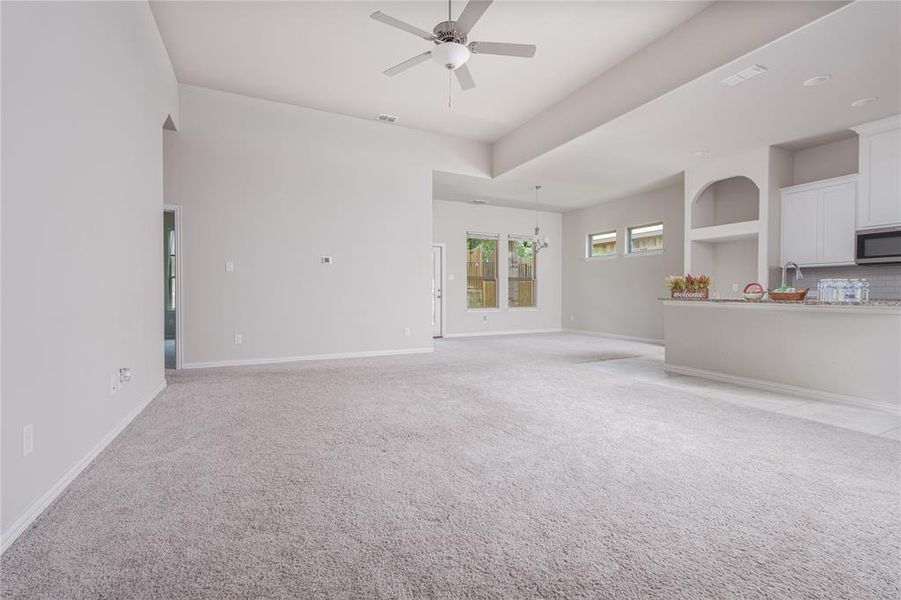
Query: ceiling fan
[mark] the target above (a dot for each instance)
(451, 50)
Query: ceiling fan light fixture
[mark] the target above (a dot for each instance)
(449, 38)
(451, 55)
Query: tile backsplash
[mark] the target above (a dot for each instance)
(885, 280)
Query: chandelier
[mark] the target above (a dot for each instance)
(536, 243)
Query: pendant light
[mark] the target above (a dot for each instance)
(536, 243)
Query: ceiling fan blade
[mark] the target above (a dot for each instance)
(464, 77)
(380, 16)
(407, 64)
(471, 14)
(503, 49)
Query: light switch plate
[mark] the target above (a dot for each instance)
(27, 439)
(229, 267)
(239, 339)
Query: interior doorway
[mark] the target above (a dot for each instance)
(438, 290)
(171, 286)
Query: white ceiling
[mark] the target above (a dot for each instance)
(860, 45)
(330, 55)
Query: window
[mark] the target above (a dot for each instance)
(481, 270)
(520, 274)
(645, 238)
(602, 244)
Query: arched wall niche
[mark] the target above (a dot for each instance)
(731, 200)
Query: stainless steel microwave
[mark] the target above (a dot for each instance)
(875, 246)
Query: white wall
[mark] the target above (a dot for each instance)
(826, 160)
(272, 187)
(734, 266)
(619, 295)
(451, 222)
(769, 168)
(86, 88)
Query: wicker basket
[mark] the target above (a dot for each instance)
(796, 296)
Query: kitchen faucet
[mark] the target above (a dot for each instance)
(793, 264)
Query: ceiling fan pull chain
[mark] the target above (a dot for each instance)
(450, 87)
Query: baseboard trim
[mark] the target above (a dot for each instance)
(616, 336)
(290, 359)
(20, 525)
(485, 333)
(784, 388)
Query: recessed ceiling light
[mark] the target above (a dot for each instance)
(863, 102)
(701, 154)
(818, 80)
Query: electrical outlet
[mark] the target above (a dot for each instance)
(229, 267)
(734, 287)
(407, 331)
(27, 439)
(239, 339)
(484, 319)
(326, 260)
(114, 384)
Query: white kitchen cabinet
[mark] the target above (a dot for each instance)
(879, 202)
(818, 222)
(799, 226)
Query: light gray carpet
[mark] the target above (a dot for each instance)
(489, 469)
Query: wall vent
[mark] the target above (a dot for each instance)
(390, 119)
(744, 75)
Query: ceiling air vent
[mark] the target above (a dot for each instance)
(743, 76)
(390, 119)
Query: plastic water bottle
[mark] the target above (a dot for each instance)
(823, 290)
(854, 290)
(864, 290)
(832, 290)
(841, 290)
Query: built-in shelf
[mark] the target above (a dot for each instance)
(727, 233)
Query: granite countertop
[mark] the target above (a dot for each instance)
(892, 303)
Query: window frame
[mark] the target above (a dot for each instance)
(534, 279)
(589, 246)
(651, 252)
(497, 297)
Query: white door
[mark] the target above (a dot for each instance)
(837, 216)
(437, 290)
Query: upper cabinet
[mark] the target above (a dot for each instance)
(879, 201)
(818, 222)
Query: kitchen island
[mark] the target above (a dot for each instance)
(848, 353)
